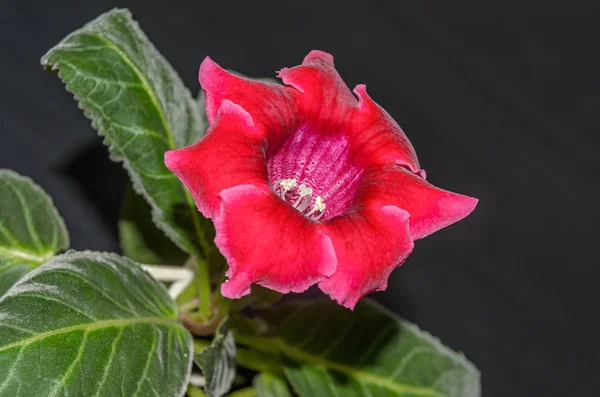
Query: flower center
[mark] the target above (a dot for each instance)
(303, 200)
(314, 172)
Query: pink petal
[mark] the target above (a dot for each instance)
(271, 106)
(369, 244)
(330, 108)
(232, 153)
(379, 137)
(268, 242)
(430, 208)
(325, 100)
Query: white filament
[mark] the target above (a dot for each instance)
(304, 199)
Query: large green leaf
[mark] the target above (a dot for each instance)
(140, 239)
(31, 230)
(369, 352)
(269, 385)
(217, 362)
(139, 104)
(91, 324)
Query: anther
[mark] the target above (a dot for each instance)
(319, 206)
(304, 198)
(305, 195)
(286, 186)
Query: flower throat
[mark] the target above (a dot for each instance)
(313, 172)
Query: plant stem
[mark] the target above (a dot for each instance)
(204, 289)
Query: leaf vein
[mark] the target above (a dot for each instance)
(47, 298)
(27, 213)
(11, 373)
(108, 297)
(26, 256)
(147, 365)
(359, 374)
(111, 359)
(170, 139)
(91, 327)
(69, 371)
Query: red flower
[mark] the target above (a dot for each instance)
(307, 183)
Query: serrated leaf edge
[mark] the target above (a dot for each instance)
(136, 183)
(294, 353)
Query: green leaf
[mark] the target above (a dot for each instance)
(218, 362)
(268, 385)
(139, 104)
(140, 239)
(31, 230)
(91, 324)
(369, 352)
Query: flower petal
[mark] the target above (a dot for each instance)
(430, 208)
(268, 242)
(271, 106)
(230, 154)
(379, 137)
(329, 106)
(369, 244)
(325, 100)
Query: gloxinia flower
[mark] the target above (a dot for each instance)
(307, 183)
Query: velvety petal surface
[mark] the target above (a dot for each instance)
(330, 108)
(325, 101)
(379, 137)
(267, 242)
(430, 207)
(231, 154)
(369, 244)
(271, 106)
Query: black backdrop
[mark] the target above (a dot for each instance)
(501, 104)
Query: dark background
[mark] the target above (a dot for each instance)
(501, 104)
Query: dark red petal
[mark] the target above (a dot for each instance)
(430, 208)
(326, 101)
(230, 154)
(379, 137)
(369, 244)
(270, 105)
(268, 242)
